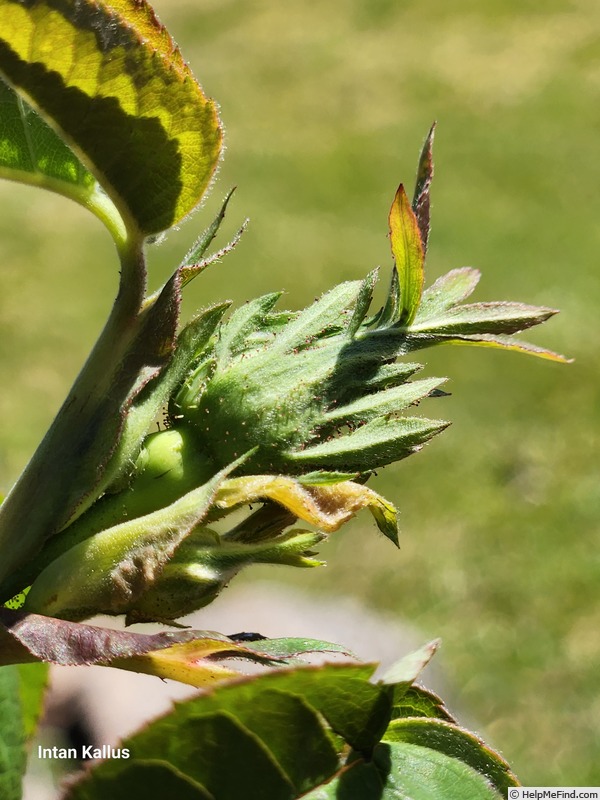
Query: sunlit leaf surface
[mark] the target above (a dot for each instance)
(108, 76)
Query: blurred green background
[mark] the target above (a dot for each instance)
(325, 106)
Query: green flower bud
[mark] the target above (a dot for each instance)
(168, 563)
(303, 405)
(310, 391)
(169, 465)
(205, 563)
(108, 572)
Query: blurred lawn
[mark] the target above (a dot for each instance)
(325, 106)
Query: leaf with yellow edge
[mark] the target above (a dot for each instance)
(109, 78)
(409, 255)
(498, 340)
(190, 662)
(328, 506)
(189, 656)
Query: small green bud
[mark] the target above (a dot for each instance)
(205, 563)
(108, 572)
(169, 465)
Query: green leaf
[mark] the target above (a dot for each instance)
(323, 478)
(373, 445)
(21, 693)
(455, 742)
(407, 772)
(357, 781)
(32, 152)
(262, 737)
(33, 680)
(329, 314)
(405, 671)
(388, 401)
(363, 301)
(500, 341)
(12, 734)
(292, 647)
(446, 292)
(488, 318)
(111, 67)
(242, 322)
(419, 702)
(204, 750)
(356, 709)
(409, 255)
(194, 263)
(379, 376)
(203, 242)
(141, 779)
(393, 305)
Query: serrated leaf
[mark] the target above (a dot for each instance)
(217, 751)
(415, 701)
(141, 778)
(286, 726)
(264, 736)
(409, 256)
(447, 291)
(455, 742)
(407, 772)
(356, 709)
(421, 201)
(112, 67)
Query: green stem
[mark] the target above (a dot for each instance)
(58, 483)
